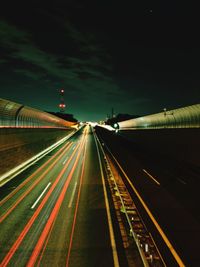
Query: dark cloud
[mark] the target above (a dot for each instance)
(29, 74)
(104, 55)
(83, 74)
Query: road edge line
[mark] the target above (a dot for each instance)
(112, 237)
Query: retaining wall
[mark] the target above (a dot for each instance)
(18, 145)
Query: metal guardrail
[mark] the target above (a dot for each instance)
(147, 248)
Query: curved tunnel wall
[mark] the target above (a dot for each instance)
(16, 115)
(186, 117)
(25, 132)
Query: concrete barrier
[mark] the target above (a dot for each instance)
(18, 145)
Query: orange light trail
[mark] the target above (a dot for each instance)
(17, 243)
(32, 186)
(30, 177)
(45, 244)
(76, 210)
(53, 215)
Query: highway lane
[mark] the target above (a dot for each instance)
(88, 242)
(20, 213)
(12, 184)
(57, 216)
(181, 228)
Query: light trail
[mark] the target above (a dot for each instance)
(31, 176)
(45, 244)
(25, 165)
(76, 209)
(46, 241)
(27, 227)
(32, 186)
(53, 215)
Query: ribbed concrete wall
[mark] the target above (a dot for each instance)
(187, 117)
(17, 115)
(19, 145)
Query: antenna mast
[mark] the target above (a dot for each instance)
(62, 101)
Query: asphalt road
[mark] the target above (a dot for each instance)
(170, 197)
(54, 214)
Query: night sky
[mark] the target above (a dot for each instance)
(137, 57)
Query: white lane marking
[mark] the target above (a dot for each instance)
(181, 181)
(65, 160)
(112, 236)
(72, 196)
(167, 242)
(40, 196)
(151, 177)
(20, 168)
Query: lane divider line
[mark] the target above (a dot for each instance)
(38, 199)
(53, 215)
(31, 176)
(65, 160)
(3, 217)
(19, 169)
(27, 227)
(181, 181)
(151, 177)
(72, 196)
(47, 240)
(76, 208)
(111, 231)
(161, 232)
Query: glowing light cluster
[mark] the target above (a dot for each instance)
(62, 105)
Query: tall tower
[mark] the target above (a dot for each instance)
(62, 101)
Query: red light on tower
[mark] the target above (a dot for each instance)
(62, 102)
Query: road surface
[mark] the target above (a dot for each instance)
(54, 214)
(160, 192)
